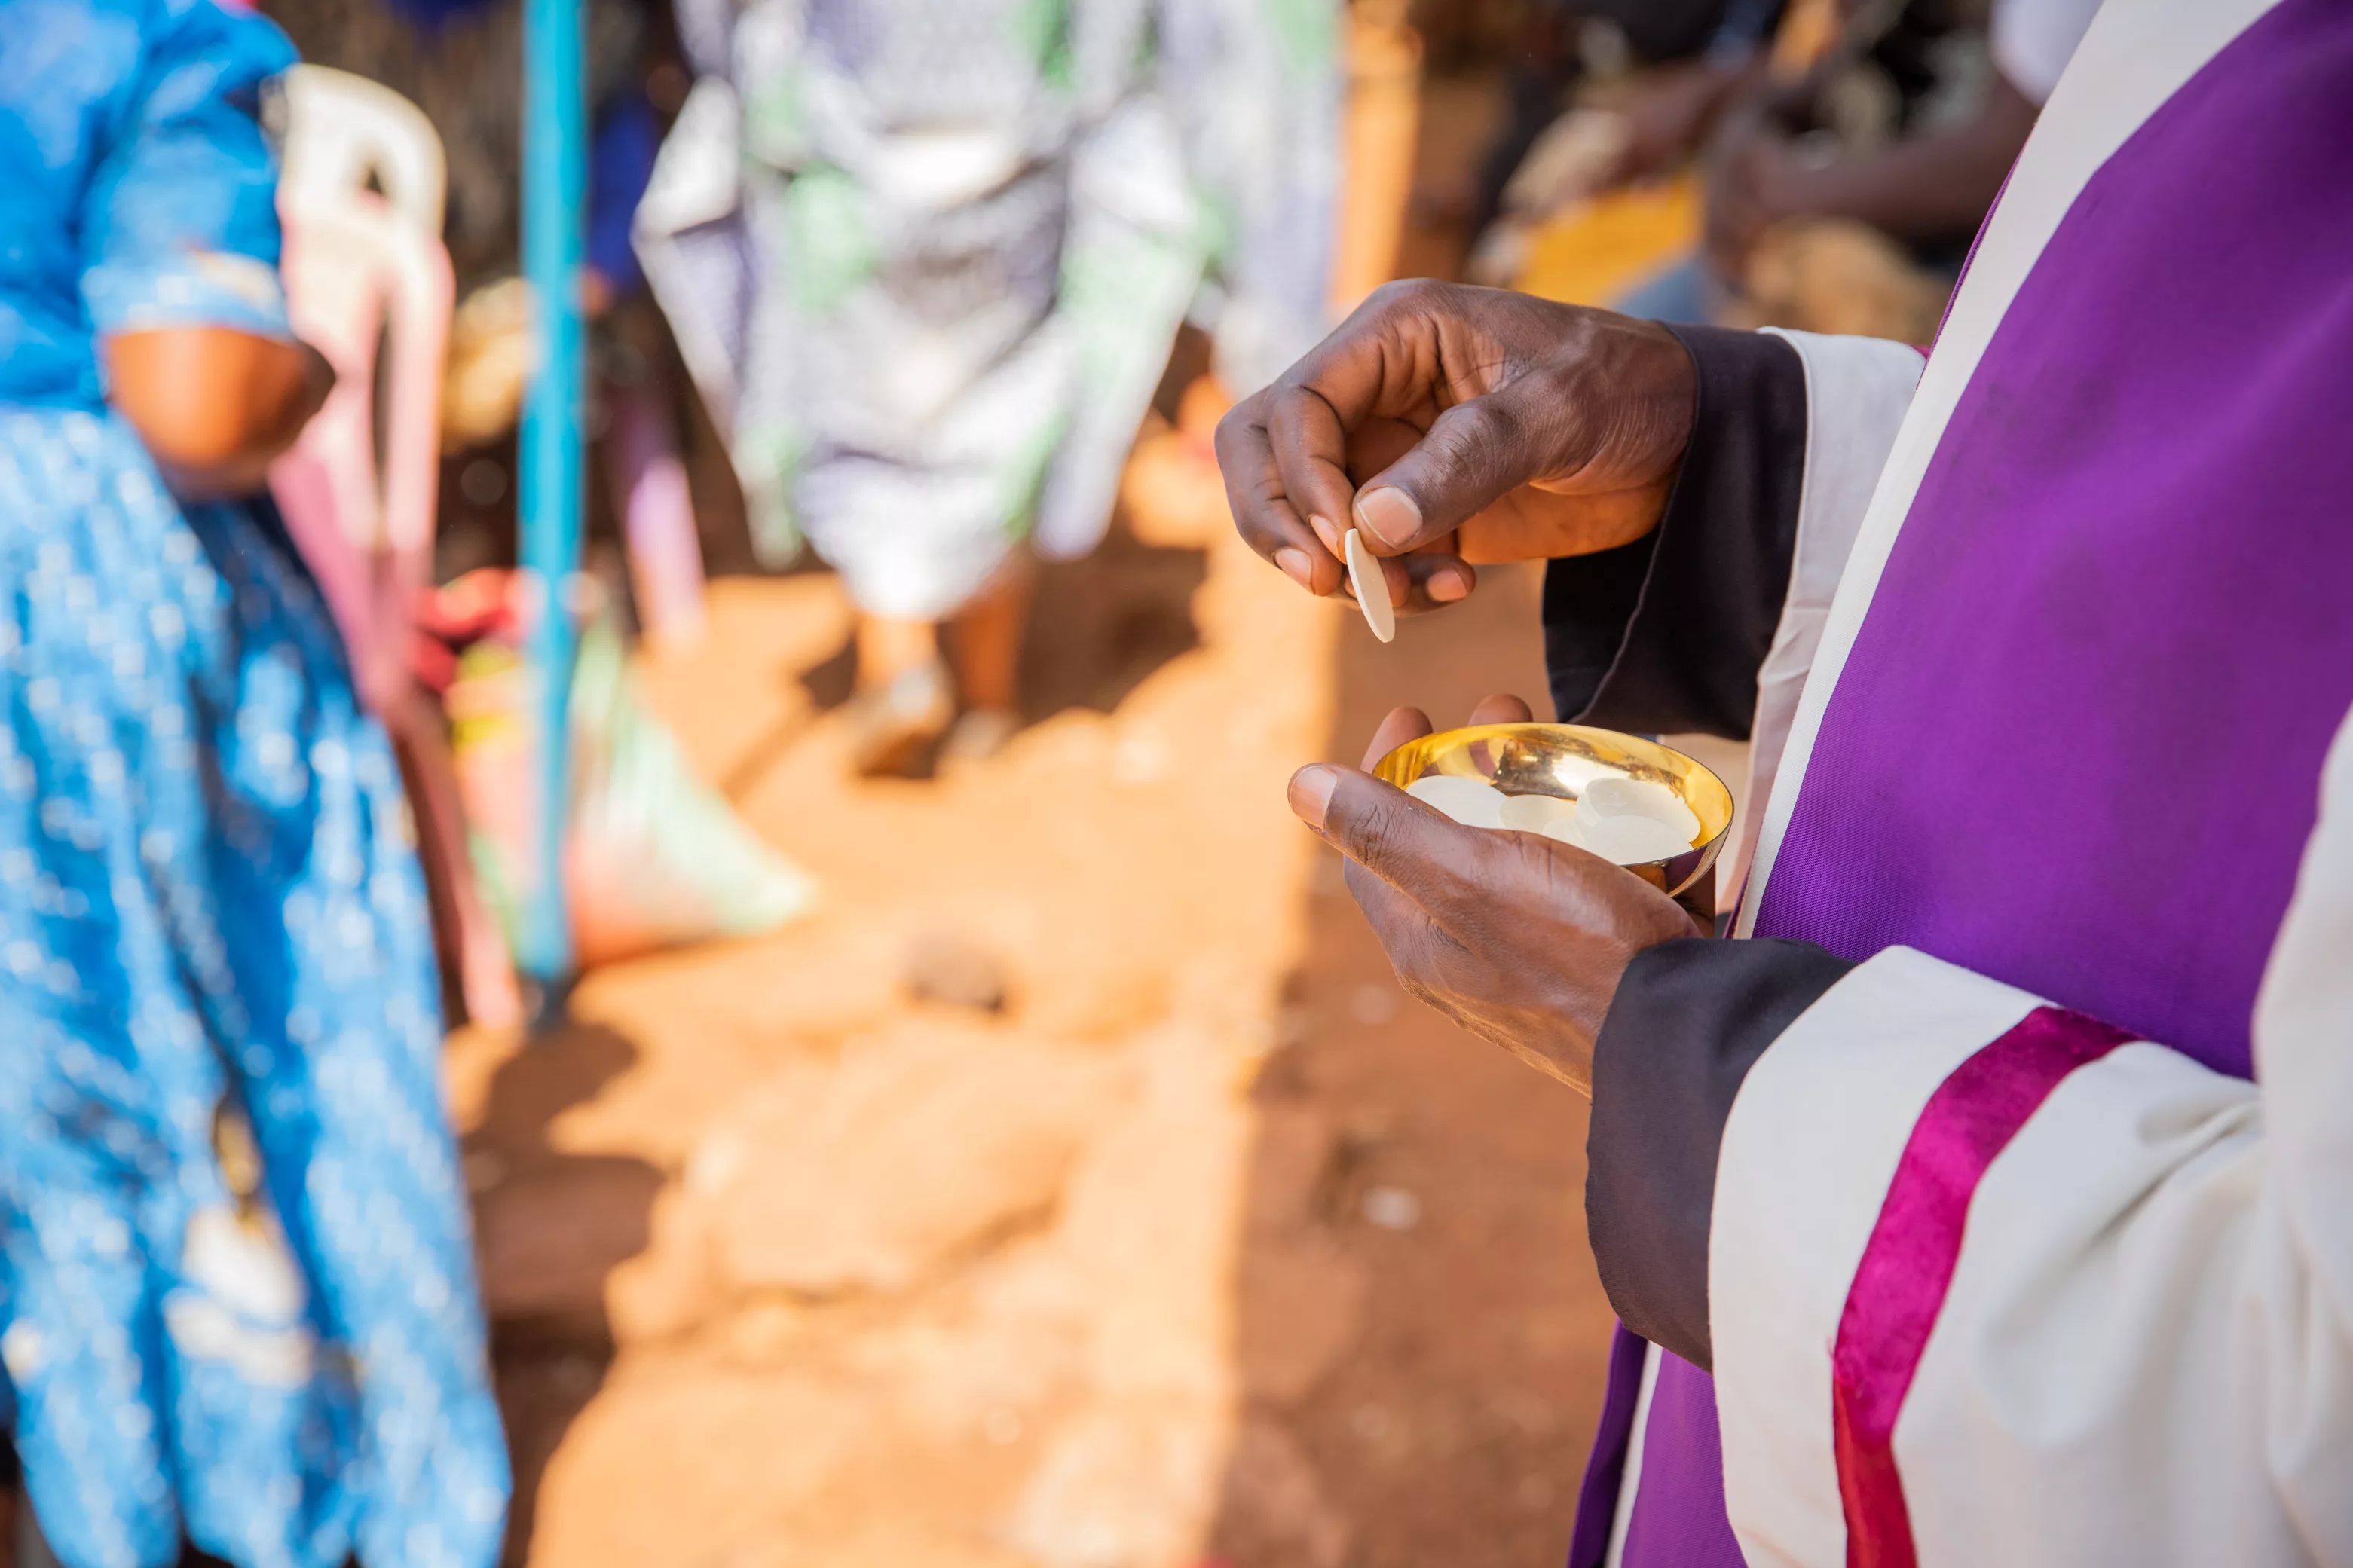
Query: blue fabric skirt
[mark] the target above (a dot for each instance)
(236, 1296)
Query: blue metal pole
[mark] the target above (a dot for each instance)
(555, 186)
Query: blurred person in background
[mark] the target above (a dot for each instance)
(238, 1311)
(927, 262)
(1844, 201)
(1613, 95)
(1669, 66)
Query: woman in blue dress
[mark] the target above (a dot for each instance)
(236, 1304)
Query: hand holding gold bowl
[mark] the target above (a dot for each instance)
(1562, 762)
(1505, 932)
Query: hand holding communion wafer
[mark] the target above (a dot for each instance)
(1457, 426)
(1519, 938)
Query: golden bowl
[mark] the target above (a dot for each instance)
(1561, 760)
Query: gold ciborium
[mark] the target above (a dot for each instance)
(1562, 760)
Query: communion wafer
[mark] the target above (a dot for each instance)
(1532, 813)
(1622, 841)
(1467, 801)
(1629, 840)
(1626, 839)
(1608, 798)
(1566, 829)
(1372, 588)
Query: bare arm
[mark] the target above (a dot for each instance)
(215, 405)
(1925, 188)
(1670, 109)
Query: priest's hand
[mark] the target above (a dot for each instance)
(1458, 426)
(1518, 938)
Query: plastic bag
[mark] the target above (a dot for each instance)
(654, 857)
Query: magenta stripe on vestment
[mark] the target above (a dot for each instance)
(1908, 1265)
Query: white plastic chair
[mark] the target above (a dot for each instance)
(346, 133)
(357, 263)
(351, 270)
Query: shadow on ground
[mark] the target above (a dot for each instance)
(551, 1228)
(1103, 625)
(1421, 1331)
(1099, 627)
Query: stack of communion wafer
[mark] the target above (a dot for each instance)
(1627, 822)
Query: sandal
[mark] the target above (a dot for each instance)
(891, 729)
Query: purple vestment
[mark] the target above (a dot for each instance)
(2075, 745)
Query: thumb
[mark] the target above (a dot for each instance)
(1471, 456)
(1420, 851)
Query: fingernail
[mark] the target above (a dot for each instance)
(1310, 793)
(1389, 515)
(1325, 530)
(1446, 587)
(1296, 566)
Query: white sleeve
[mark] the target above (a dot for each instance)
(1992, 1283)
(1857, 393)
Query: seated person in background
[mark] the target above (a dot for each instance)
(1605, 93)
(1678, 62)
(1845, 202)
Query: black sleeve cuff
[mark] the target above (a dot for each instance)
(1665, 634)
(1690, 1019)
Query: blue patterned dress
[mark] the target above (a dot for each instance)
(237, 1303)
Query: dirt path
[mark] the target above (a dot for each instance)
(1211, 1247)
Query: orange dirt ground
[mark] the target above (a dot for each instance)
(1211, 1249)
(789, 1270)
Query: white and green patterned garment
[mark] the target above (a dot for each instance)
(926, 256)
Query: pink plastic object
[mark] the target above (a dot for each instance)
(657, 511)
(353, 267)
(347, 134)
(351, 270)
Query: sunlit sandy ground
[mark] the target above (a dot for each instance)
(1212, 1247)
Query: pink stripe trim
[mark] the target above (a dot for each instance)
(1908, 1265)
